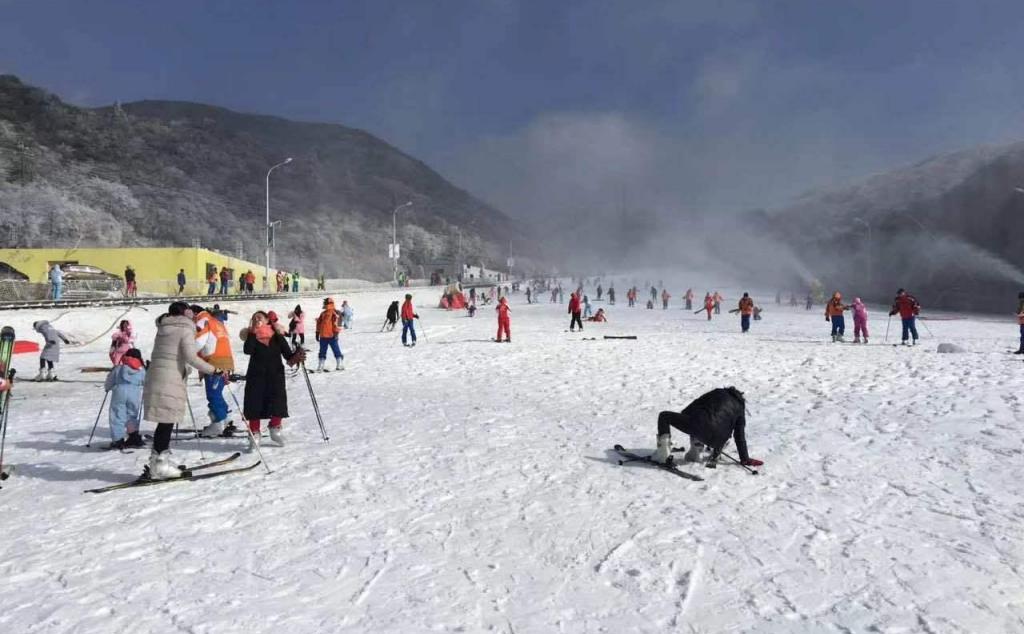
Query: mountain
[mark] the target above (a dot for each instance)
(949, 228)
(168, 173)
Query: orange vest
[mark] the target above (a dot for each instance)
(221, 357)
(746, 306)
(327, 325)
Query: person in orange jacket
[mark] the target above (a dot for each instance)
(709, 304)
(834, 313)
(408, 325)
(328, 327)
(214, 346)
(746, 309)
(503, 320)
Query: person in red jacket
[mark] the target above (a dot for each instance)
(408, 325)
(709, 304)
(503, 320)
(906, 305)
(575, 311)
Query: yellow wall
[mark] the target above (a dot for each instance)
(156, 269)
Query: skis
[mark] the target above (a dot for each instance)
(6, 350)
(187, 473)
(632, 457)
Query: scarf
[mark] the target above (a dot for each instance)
(263, 333)
(132, 362)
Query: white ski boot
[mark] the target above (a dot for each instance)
(161, 466)
(254, 442)
(51, 375)
(213, 430)
(277, 435)
(340, 365)
(693, 453)
(41, 376)
(663, 454)
(319, 365)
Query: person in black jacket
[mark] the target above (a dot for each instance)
(709, 420)
(265, 392)
(392, 317)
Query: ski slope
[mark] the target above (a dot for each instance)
(469, 486)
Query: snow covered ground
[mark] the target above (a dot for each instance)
(468, 486)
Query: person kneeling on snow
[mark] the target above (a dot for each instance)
(126, 380)
(598, 316)
(265, 393)
(709, 420)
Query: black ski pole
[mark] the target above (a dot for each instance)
(752, 471)
(252, 436)
(316, 406)
(98, 414)
(3, 437)
(886, 340)
(195, 427)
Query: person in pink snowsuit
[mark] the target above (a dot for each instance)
(860, 320)
(121, 341)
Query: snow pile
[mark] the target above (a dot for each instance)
(470, 486)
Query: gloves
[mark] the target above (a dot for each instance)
(317, 337)
(892, 312)
(827, 319)
(416, 316)
(298, 357)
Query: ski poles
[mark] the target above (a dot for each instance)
(886, 340)
(316, 406)
(423, 331)
(927, 329)
(195, 427)
(752, 471)
(98, 414)
(252, 436)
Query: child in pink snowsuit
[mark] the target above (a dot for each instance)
(121, 341)
(860, 320)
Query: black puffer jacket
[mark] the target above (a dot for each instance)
(265, 393)
(713, 416)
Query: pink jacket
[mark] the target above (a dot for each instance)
(300, 322)
(121, 342)
(860, 311)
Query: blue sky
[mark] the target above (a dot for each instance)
(556, 105)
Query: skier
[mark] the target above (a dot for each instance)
(654, 294)
(709, 420)
(574, 311)
(746, 309)
(664, 298)
(757, 313)
(56, 282)
(297, 326)
(778, 298)
(225, 280)
(718, 302)
(809, 301)
(503, 320)
(121, 341)
(1020, 321)
(130, 287)
(408, 325)
(328, 326)
(265, 393)
(321, 283)
(250, 280)
(164, 389)
(834, 313)
(529, 300)
(908, 308)
(391, 319)
(586, 307)
(213, 346)
(860, 320)
(599, 316)
(689, 299)
(126, 380)
(471, 309)
(792, 299)
(650, 304)
(709, 304)
(51, 351)
(346, 315)
(611, 295)
(599, 291)
(295, 282)
(221, 314)
(181, 281)
(561, 295)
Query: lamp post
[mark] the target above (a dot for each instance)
(394, 236)
(266, 274)
(868, 227)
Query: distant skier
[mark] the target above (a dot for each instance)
(1020, 321)
(586, 307)
(650, 304)
(834, 313)
(757, 313)
(611, 295)
(709, 420)
(181, 282)
(860, 321)
(599, 316)
(809, 301)
(56, 276)
(599, 291)
(654, 294)
(391, 319)
(126, 381)
(718, 302)
(908, 308)
(688, 296)
(746, 310)
(408, 323)
(778, 298)
(709, 304)
(346, 315)
(574, 311)
(297, 326)
(664, 298)
(503, 320)
(51, 350)
(328, 327)
(130, 289)
(121, 341)
(529, 298)
(792, 300)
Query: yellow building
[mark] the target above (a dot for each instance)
(156, 269)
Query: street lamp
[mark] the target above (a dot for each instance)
(394, 236)
(868, 226)
(266, 275)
